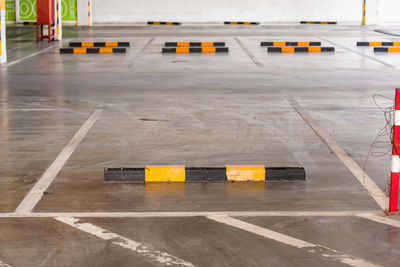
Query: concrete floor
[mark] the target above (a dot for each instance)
(194, 110)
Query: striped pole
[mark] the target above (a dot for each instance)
(57, 13)
(364, 11)
(394, 179)
(3, 51)
(89, 13)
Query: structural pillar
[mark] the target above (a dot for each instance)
(369, 12)
(84, 13)
(58, 19)
(3, 51)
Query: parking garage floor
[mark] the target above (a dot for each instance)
(199, 110)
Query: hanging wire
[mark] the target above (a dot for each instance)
(382, 144)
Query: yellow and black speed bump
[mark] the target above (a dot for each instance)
(99, 44)
(241, 23)
(318, 22)
(378, 43)
(194, 44)
(387, 49)
(290, 43)
(186, 50)
(292, 49)
(29, 23)
(179, 173)
(104, 50)
(163, 23)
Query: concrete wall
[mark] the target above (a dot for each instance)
(220, 10)
(388, 10)
(247, 10)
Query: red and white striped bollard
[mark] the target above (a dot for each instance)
(394, 179)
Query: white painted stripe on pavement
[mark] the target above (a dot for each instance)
(288, 240)
(190, 214)
(380, 219)
(29, 56)
(370, 186)
(294, 242)
(32, 55)
(36, 193)
(3, 264)
(143, 250)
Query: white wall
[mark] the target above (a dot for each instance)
(239, 10)
(388, 10)
(220, 10)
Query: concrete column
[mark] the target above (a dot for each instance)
(58, 19)
(84, 9)
(3, 51)
(370, 11)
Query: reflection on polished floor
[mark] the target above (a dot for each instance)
(207, 110)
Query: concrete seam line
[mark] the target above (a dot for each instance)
(192, 214)
(360, 54)
(141, 249)
(385, 32)
(247, 51)
(369, 185)
(132, 64)
(294, 242)
(3, 264)
(36, 192)
(380, 219)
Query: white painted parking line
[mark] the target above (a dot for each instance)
(358, 53)
(380, 219)
(294, 242)
(29, 56)
(370, 186)
(139, 248)
(32, 55)
(3, 264)
(18, 47)
(36, 193)
(192, 214)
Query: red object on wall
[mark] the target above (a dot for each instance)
(45, 16)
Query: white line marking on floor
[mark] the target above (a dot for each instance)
(358, 53)
(291, 241)
(9, 64)
(192, 214)
(36, 193)
(380, 219)
(18, 47)
(141, 249)
(3, 264)
(294, 242)
(29, 56)
(370, 186)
